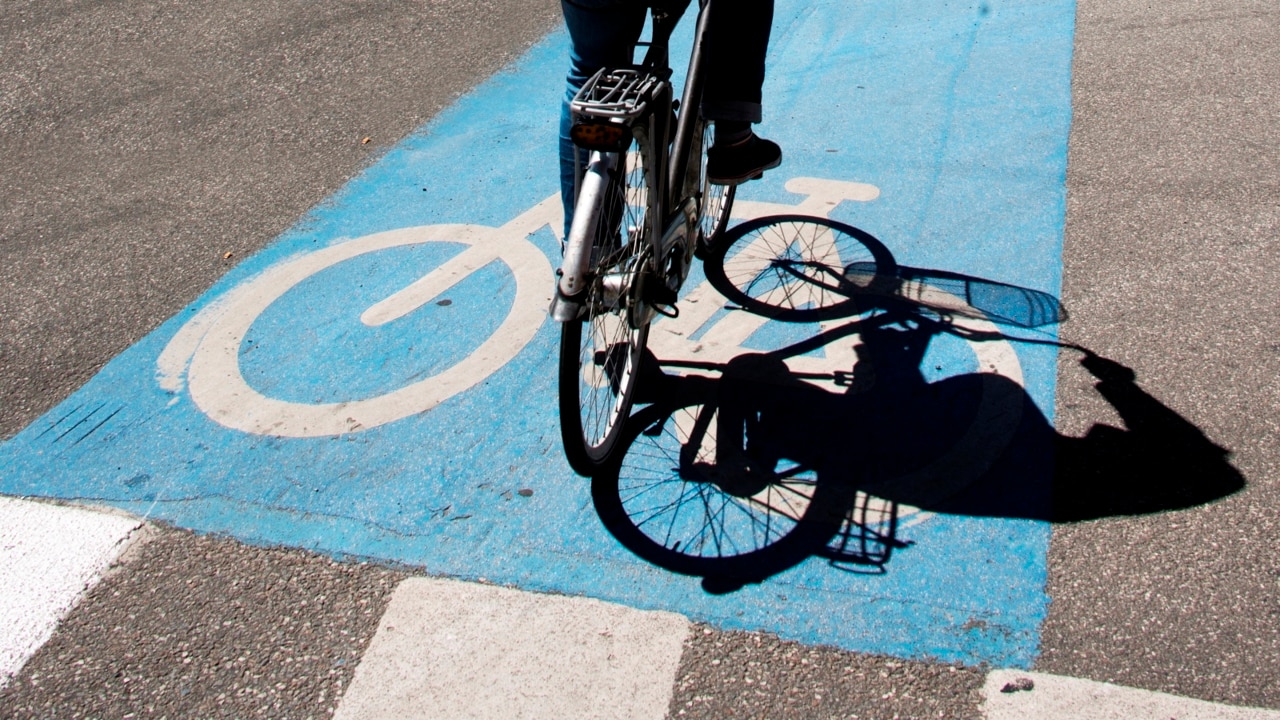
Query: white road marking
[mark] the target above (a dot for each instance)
(462, 650)
(448, 649)
(208, 348)
(428, 288)
(1053, 697)
(49, 556)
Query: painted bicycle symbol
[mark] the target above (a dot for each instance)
(206, 351)
(205, 356)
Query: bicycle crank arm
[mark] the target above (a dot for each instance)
(660, 284)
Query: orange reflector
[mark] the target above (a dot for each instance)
(599, 136)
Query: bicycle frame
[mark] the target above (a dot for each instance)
(690, 100)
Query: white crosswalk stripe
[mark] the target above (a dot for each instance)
(49, 555)
(446, 648)
(461, 650)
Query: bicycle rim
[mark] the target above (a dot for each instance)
(800, 268)
(600, 354)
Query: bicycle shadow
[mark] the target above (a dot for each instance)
(738, 477)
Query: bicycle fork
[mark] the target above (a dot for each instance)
(660, 280)
(576, 265)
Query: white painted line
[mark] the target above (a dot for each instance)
(447, 649)
(49, 556)
(207, 348)
(1054, 697)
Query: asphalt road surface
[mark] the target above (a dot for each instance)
(147, 147)
(1171, 259)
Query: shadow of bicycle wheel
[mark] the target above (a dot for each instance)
(736, 471)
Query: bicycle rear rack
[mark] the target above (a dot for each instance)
(614, 94)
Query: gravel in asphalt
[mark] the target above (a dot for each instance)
(197, 626)
(754, 675)
(1172, 263)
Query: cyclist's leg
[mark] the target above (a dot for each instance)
(736, 44)
(601, 33)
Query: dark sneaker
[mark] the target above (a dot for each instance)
(743, 161)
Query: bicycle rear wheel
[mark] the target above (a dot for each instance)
(800, 268)
(600, 353)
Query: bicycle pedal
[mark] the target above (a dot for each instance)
(657, 295)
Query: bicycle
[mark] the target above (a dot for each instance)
(644, 209)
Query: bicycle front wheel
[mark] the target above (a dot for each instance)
(600, 353)
(716, 200)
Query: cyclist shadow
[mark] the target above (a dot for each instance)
(738, 477)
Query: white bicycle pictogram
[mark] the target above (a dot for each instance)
(204, 356)
(206, 351)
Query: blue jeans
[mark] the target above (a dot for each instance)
(603, 32)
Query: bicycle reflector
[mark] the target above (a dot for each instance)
(602, 136)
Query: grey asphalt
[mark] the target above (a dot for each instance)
(1172, 265)
(201, 627)
(141, 142)
(188, 626)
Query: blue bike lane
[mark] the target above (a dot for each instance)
(309, 400)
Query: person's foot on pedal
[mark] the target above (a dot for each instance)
(737, 162)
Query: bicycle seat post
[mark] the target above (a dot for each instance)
(658, 57)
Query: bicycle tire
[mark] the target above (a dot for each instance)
(716, 201)
(800, 268)
(681, 513)
(600, 354)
